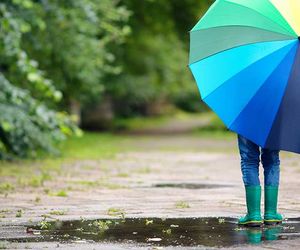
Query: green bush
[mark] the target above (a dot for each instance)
(26, 125)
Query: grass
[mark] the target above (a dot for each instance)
(57, 212)
(44, 224)
(19, 213)
(35, 181)
(109, 185)
(93, 146)
(122, 175)
(214, 129)
(140, 123)
(85, 183)
(148, 222)
(61, 193)
(182, 204)
(4, 244)
(116, 212)
(4, 211)
(6, 187)
(97, 146)
(143, 170)
(102, 226)
(37, 199)
(34, 173)
(101, 183)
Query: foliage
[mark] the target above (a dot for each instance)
(75, 46)
(214, 124)
(26, 124)
(15, 63)
(51, 49)
(155, 56)
(54, 53)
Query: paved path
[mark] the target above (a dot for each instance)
(127, 182)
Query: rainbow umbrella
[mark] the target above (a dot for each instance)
(245, 58)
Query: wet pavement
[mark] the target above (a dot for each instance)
(171, 185)
(153, 233)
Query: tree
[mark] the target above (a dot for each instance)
(53, 54)
(155, 56)
(75, 46)
(26, 125)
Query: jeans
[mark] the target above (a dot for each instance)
(250, 158)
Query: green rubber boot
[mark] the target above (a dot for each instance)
(254, 235)
(271, 216)
(253, 216)
(272, 233)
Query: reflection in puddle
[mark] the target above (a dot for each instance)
(209, 232)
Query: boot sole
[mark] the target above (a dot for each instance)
(251, 224)
(272, 222)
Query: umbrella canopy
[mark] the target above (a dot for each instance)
(245, 58)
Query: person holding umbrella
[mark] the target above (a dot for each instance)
(250, 158)
(245, 58)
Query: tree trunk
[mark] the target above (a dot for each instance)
(75, 109)
(99, 116)
(159, 107)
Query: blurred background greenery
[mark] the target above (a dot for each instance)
(92, 64)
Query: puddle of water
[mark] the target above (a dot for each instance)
(189, 232)
(189, 185)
